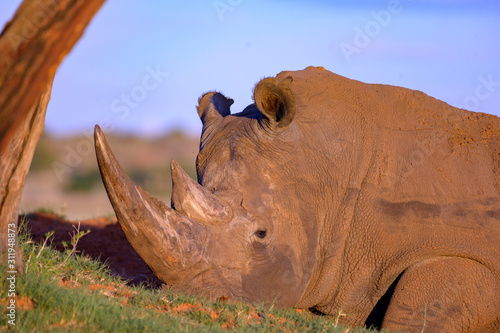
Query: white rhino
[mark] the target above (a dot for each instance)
(373, 201)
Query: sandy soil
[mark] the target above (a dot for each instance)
(106, 242)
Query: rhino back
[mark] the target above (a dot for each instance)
(416, 178)
(414, 152)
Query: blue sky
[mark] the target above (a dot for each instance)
(447, 49)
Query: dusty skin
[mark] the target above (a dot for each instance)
(376, 202)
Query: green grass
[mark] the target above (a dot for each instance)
(68, 292)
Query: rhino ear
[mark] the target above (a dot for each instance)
(275, 102)
(213, 105)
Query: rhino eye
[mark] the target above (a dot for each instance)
(261, 233)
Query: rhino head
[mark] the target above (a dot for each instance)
(232, 233)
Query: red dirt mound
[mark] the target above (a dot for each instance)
(106, 242)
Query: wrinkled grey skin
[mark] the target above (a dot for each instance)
(373, 201)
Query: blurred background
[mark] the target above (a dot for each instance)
(141, 66)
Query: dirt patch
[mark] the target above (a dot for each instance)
(22, 303)
(106, 242)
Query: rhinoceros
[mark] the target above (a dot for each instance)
(373, 203)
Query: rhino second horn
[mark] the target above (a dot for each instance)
(196, 202)
(170, 244)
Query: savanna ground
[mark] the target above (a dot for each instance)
(89, 279)
(64, 177)
(92, 280)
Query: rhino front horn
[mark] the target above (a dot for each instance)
(171, 245)
(194, 201)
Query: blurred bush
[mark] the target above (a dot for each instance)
(83, 181)
(44, 155)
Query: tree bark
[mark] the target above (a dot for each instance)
(13, 171)
(32, 45)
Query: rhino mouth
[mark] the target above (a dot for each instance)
(173, 241)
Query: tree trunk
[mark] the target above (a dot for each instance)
(13, 170)
(32, 45)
